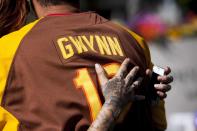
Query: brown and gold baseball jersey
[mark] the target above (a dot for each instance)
(48, 81)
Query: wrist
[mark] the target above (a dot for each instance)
(115, 106)
(107, 116)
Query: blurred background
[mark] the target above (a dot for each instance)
(170, 29)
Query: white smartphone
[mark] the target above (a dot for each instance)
(158, 70)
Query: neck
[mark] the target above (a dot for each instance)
(57, 9)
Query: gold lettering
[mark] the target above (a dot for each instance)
(90, 42)
(67, 50)
(115, 46)
(103, 45)
(78, 44)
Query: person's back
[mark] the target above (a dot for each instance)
(52, 83)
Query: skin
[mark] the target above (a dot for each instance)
(165, 82)
(118, 92)
(42, 11)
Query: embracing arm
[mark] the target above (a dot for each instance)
(106, 117)
(117, 92)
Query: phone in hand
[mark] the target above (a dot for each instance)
(157, 71)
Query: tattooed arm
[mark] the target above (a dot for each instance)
(117, 92)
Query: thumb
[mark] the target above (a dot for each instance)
(101, 74)
(148, 73)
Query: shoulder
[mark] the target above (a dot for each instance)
(10, 42)
(16, 35)
(8, 46)
(140, 41)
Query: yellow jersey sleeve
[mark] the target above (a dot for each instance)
(8, 46)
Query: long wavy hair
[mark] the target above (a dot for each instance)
(12, 15)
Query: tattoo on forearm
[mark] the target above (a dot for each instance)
(117, 92)
(107, 116)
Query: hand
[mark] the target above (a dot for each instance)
(165, 81)
(121, 87)
(117, 92)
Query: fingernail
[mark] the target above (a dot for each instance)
(128, 59)
(97, 65)
(149, 72)
(159, 78)
(159, 93)
(156, 86)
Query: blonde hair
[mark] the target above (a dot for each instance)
(12, 16)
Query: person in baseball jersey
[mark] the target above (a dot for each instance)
(48, 80)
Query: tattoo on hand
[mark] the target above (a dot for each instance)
(118, 92)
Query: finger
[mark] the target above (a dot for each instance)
(138, 98)
(101, 74)
(129, 78)
(123, 68)
(149, 73)
(161, 94)
(167, 70)
(135, 84)
(162, 87)
(165, 79)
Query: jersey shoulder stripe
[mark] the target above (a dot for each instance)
(8, 46)
(142, 44)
